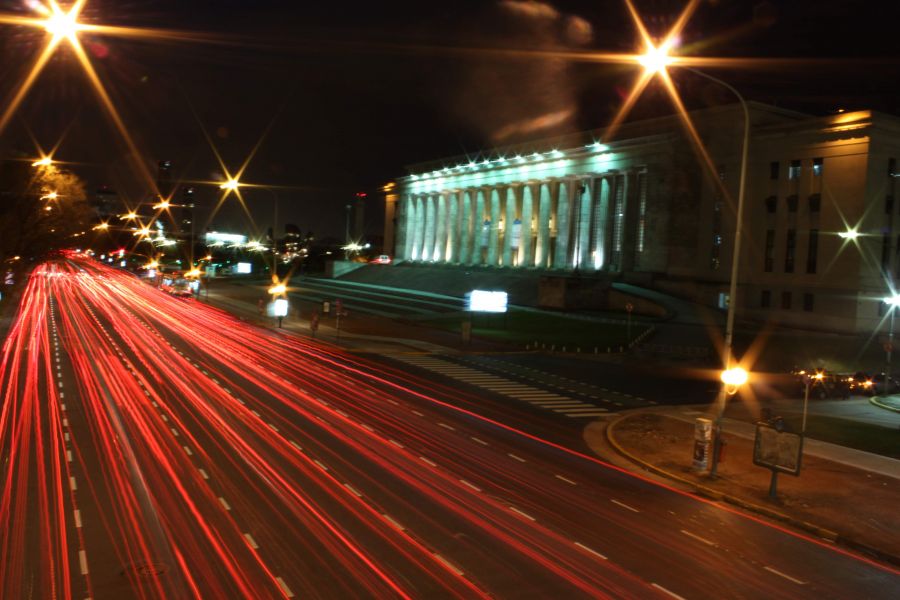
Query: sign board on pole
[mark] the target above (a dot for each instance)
(484, 301)
(777, 450)
(280, 307)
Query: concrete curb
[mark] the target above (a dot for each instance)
(707, 492)
(874, 400)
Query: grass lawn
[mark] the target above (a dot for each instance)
(523, 327)
(853, 434)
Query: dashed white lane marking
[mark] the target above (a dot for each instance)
(471, 485)
(786, 576)
(394, 523)
(284, 588)
(224, 503)
(396, 443)
(203, 474)
(82, 561)
(296, 445)
(524, 514)
(72, 484)
(77, 514)
(669, 592)
(427, 462)
(324, 468)
(188, 450)
(418, 414)
(394, 402)
(62, 407)
(566, 479)
(273, 428)
(449, 564)
(164, 418)
(367, 427)
(445, 426)
(623, 505)
(698, 538)
(342, 413)
(173, 430)
(518, 458)
(591, 550)
(353, 490)
(251, 541)
(478, 440)
(68, 456)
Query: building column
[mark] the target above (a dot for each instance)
(526, 252)
(451, 252)
(428, 234)
(480, 231)
(465, 234)
(440, 228)
(629, 221)
(599, 254)
(493, 257)
(509, 230)
(563, 225)
(582, 223)
(618, 205)
(542, 251)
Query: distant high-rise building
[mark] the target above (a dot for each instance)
(106, 202)
(164, 180)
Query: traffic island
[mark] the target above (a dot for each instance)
(834, 501)
(886, 402)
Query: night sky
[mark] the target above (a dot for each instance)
(353, 93)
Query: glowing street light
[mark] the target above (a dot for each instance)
(42, 162)
(162, 205)
(277, 289)
(143, 232)
(101, 226)
(63, 25)
(231, 185)
(656, 58)
(734, 378)
(50, 196)
(194, 272)
(850, 234)
(129, 216)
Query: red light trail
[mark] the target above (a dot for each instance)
(160, 448)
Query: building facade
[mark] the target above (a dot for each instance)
(649, 206)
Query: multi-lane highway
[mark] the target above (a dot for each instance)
(154, 447)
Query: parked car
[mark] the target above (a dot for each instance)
(824, 384)
(381, 259)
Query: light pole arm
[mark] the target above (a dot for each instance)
(739, 219)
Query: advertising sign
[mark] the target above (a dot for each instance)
(243, 268)
(702, 442)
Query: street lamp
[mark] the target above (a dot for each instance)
(231, 185)
(44, 161)
(892, 302)
(808, 378)
(655, 59)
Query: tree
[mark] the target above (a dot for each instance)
(41, 210)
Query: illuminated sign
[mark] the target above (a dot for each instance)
(214, 237)
(484, 301)
(280, 307)
(243, 268)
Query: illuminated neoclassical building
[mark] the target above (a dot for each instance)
(643, 207)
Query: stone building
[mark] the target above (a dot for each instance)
(644, 206)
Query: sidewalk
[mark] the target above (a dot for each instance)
(841, 494)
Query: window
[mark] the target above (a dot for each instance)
(786, 300)
(886, 252)
(808, 300)
(774, 168)
(770, 251)
(790, 250)
(792, 201)
(818, 166)
(794, 170)
(815, 203)
(812, 253)
(642, 210)
(771, 204)
(716, 251)
(888, 205)
(765, 299)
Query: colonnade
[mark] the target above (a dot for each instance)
(583, 222)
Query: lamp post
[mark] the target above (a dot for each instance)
(808, 378)
(656, 60)
(892, 303)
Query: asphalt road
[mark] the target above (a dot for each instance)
(159, 448)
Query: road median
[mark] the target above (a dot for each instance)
(833, 501)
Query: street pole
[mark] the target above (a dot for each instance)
(889, 350)
(735, 267)
(805, 404)
(349, 207)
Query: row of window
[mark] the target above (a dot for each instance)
(812, 251)
(787, 300)
(793, 202)
(795, 168)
